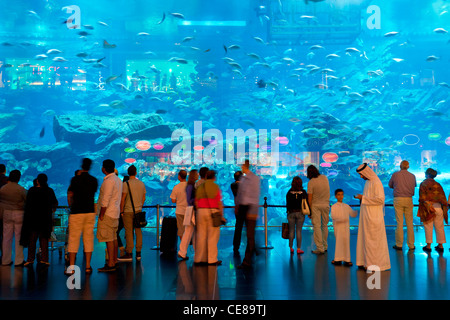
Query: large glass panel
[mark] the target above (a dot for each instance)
(168, 85)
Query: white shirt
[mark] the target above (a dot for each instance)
(111, 195)
(179, 195)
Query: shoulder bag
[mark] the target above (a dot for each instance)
(139, 220)
(305, 207)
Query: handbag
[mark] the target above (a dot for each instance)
(216, 216)
(139, 220)
(285, 230)
(305, 207)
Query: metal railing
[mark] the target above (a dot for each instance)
(158, 208)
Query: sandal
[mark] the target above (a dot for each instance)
(69, 273)
(88, 270)
(336, 263)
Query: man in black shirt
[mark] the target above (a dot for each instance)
(80, 197)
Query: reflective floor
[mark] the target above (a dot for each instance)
(276, 275)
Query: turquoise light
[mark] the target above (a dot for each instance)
(236, 23)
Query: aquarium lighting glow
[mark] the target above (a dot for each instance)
(235, 23)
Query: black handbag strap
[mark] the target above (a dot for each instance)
(131, 197)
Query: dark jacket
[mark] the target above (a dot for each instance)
(38, 217)
(294, 200)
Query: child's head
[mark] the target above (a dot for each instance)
(339, 194)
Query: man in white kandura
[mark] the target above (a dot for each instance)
(371, 248)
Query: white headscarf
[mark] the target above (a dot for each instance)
(367, 172)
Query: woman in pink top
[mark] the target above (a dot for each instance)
(207, 196)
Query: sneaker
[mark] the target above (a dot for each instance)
(138, 256)
(426, 249)
(126, 257)
(107, 268)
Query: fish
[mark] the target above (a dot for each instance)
(316, 47)
(112, 78)
(179, 60)
(106, 45)
(258, 39)
(103, 23)
(398, 59)
(84, 33)
(155, 70)
(7, 44)
(162, 19)
(432, 58)
(99, 65)
(440, 30)
(88, 26)
(306, 1)
(254, 56)
(321, 86)
(186, 39)
(444, 84)
(59, 59)
(82, 55)
(234, 47)
(235, 65)
(352, 50)
(32, 13)
(117, 104)
(143, 34)
(288, 60)
(42, 133)
(7, 156)
(40, 57)
(332, 56)
(177, 15)
(261, 84)
(53, 51)
(391, 34)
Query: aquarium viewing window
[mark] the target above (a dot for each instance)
(342, 81)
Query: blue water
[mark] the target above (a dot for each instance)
(343, 82)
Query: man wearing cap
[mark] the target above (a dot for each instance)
(371, 248)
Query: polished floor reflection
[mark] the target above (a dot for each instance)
(276, 275)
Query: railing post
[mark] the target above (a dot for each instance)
(265, 225)
(157, 247)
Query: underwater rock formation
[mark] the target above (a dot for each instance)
(87, 132)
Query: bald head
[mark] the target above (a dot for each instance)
(404, 165)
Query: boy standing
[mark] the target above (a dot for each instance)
(340, 213)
